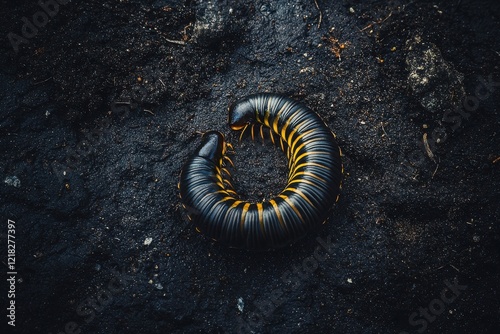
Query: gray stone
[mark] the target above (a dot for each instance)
(435, 83)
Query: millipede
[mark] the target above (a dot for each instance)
(313, 184)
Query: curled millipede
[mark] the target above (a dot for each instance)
(313, 183)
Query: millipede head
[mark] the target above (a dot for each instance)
(241, 114)
(212, 146)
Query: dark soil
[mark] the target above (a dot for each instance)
(101, 105)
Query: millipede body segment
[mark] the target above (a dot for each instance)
(313, 185)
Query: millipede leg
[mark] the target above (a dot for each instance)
(226, 171)
(272, 136)
(226, 181)
(261, 130)
(242, 132)
(230, 147)
(229, 159)
(282, 146)
(232, 192)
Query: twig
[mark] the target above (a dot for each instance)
(149, 111)
(435, 171)
(175, 41)
(368, 26)
(390, 14)
(378, 22)
(383, 130)
(427, 147)
(41, 82)
(320, 13)
(162, 83)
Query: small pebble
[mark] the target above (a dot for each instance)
(240, 304)
(13, 181)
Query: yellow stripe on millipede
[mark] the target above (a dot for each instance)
(235, 204)
(311, 164)
(309, 153)
(276, 119)
(283, 129)
(310, 174)
(287, 123)
(275, 125)
(300, 137)
(243, 215)
(278, 213)
(289, 139)
(261, 217)
(290, 136)
(306, 142)
(299, 181)
(226, 198)
(301, 194)
(266, 118)
(292, 206)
